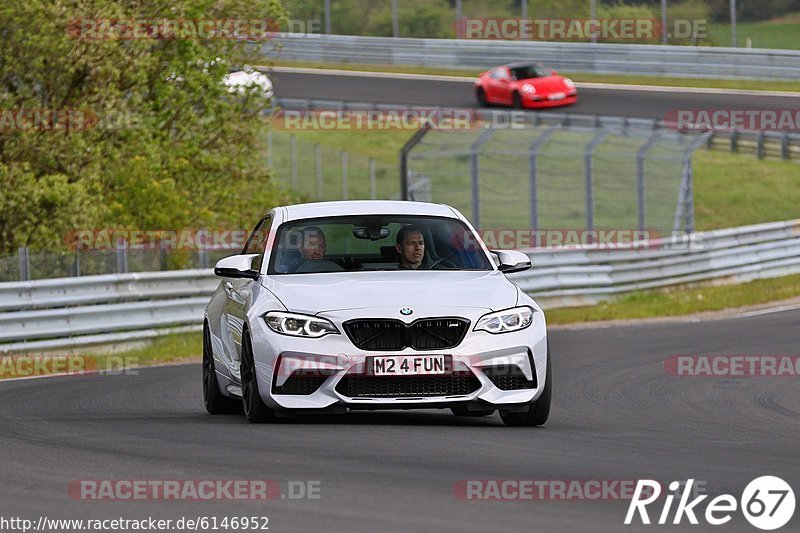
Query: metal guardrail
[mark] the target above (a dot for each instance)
(71, 312)
(596, 58)
(584, 277)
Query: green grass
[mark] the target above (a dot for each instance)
(680, 301)
(617, 79)
(738, 189)
(114, 359)
(168, 348)
(782, 33)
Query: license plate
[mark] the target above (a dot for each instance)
(408, 365)
(557, 96)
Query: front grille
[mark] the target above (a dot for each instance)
(384, 334)
(364, 386)
(302, 382)
(509, 378)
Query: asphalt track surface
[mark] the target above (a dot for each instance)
(458, 94)
(616, 416)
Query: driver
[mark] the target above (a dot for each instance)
(410, 244)
(312, 244)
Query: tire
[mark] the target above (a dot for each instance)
(254, 408)
(480, 94)
(215, 402)
(538, 411)
(517, 101)
(463, 411)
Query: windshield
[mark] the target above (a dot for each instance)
(529, 71)
(375, 242)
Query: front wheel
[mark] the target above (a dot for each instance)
(480, 94)
(517, 101)
(254, 408)
(538, 411)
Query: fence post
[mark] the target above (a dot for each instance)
(24, 264)
(587, 168)
(410, 144)
(533, 169)
(640, 182)
(395, 21)
(734, 141)
(202, 253)
(474, 169)
(760, 144)
(328, 17)
(293, 155)
(685, 207)
(122, 256)
(343, 156)
(373, 185)
(318, 156)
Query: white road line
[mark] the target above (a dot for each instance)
(582, 85)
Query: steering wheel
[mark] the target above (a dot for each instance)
(450, 264)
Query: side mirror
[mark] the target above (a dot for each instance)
(237, 266)
(553, 73)
(512, 261)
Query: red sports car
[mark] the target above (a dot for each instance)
(524, 85)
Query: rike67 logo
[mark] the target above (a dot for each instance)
(767, 502)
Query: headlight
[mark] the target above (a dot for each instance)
(513, 319)
(528, 88)
(299, 325)
(569, 83)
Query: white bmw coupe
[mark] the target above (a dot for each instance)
(339, 306)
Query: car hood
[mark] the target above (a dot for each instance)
(317, 293)
(546, 84)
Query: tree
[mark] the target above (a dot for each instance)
(152, 138)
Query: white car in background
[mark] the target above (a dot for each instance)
(241, 80)
(338, 306)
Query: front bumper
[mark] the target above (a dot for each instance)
(500, 371)
(543, 101)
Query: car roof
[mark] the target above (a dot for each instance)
(366, 207)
